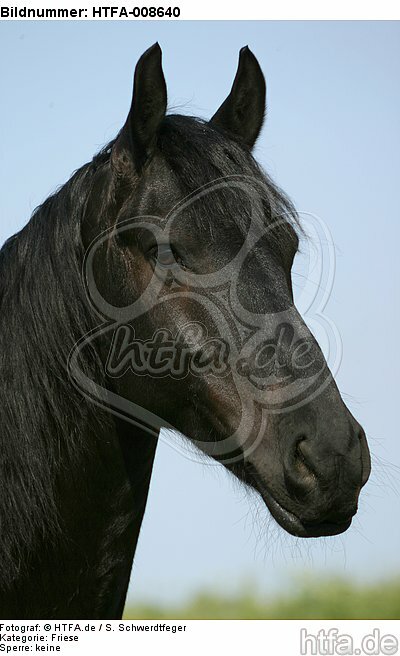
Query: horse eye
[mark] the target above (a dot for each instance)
(163, 255)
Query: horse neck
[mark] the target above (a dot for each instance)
(128, 458)
(73, 480)
(83, 571)
(131, 462)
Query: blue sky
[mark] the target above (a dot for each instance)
(332, 141)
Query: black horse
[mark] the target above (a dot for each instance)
(75, 467)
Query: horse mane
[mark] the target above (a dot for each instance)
(43, 311)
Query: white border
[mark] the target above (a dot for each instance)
(212, 10)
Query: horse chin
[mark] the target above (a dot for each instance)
(291, 522)
(295, 526)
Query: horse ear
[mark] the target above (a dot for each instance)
(149, 104)
(242, 113)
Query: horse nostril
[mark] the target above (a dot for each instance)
(300, 477)
(365, 457)
(302, 462)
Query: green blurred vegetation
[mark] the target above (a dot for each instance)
(310, 598)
